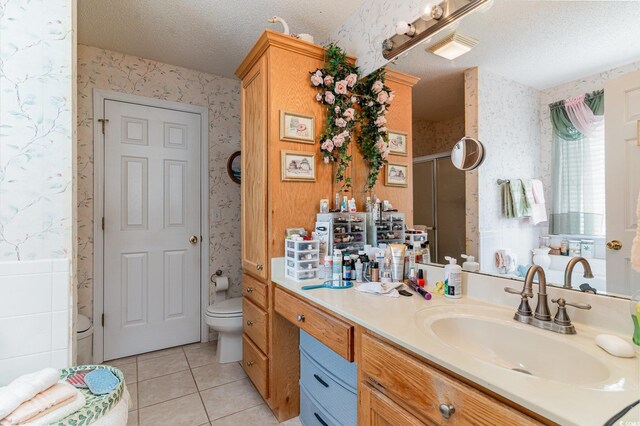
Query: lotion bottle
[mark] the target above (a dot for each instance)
(470, 263)
(336, 275)
(452, 279)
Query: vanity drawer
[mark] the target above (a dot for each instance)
(256, 365)
(331, 395)
(254, 323)
(333, 332)
(421, 389)
(344, 371)
(255, 290)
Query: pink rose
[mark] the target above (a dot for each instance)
(328, 80)
(370, 103)
(338, 140)
(383, 108)
(349, 114)
(327, 145)
(382, 97)
(344, 134)
(337, 110)
(377, 86)
(341, 87)
(318, 97)
(382, 129)
(329, 97)
(391, 96)
(326, 160)
(351, 79)
(381, 121)
(353, 100)
(341, 122)
(316, 78)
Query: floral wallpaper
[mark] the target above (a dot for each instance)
(434, 137)
(104, 69)
(36, 131)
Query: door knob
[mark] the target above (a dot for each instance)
(614, 245)
(249, 289)
(249, 363)
(193, 239)
(249, 323)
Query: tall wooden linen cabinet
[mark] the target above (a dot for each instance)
(275, 78)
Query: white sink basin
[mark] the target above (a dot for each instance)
(492, 336)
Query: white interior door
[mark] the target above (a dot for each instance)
(622, 112)
(151, 211)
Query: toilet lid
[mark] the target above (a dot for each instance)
(227, 308)
(83, 323)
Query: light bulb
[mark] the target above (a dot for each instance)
(405, 28)
(432, 11)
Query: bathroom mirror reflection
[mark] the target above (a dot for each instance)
(467, 154)
(556, 111)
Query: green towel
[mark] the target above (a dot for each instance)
(515, 199)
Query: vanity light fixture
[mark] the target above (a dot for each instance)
(434, 18)
(452, 46)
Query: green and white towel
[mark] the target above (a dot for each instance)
(517, 198)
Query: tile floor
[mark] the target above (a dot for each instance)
(185, 386)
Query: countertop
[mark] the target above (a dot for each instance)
(397, 320)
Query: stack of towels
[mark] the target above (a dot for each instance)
(38, 398)
(524, 198)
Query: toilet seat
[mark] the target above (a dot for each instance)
(229, 308)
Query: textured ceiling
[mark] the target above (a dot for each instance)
(538, 43)
(205, 35)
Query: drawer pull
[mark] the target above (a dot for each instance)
(322, 422)
(249, 363)
(447, 410)
(300, 317)
(249, 323)
(375, 382)
(322, 382)
(249, 289)
(259, 267)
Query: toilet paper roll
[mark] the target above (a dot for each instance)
(222, 283)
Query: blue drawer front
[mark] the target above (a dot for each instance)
(339, 401)
(311, 414)
(343, 370)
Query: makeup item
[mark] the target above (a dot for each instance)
(347, 268)
(352, 205)
(367, 205)
(421, 291)
(574, 248)
(358, 269)
(564, 248)
(404, 293)
(426, 253)
(586, 249)
(344, 206)
(327, 268)
(385, 277)
(452, 279)
(421, 280)
(324, 205)
(397, 261)
(337, 266)
(337, 206)
(375, 272)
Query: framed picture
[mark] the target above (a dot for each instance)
(396, 175)
(298, 166)
(397, 142)
(296, 127)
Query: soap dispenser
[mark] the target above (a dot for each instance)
(470, 263)
(452, 279)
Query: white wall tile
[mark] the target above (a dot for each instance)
(25, 335)
(60, 359)
(60, 291)
(60, 330)
(14, 367)
(25, 294)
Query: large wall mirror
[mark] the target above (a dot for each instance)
(556, 107)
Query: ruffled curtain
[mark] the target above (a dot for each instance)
(578, 165)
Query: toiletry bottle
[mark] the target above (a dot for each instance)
(337, 207)
(344, 206)
(426, 253)
(470, 263)
(452, 279)
(358, 268)
(421, 281)
(368, 205)
(375, 272)
(337, 267)
(347, 267)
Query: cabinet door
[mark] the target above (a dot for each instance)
(254, 171)
(375, 409)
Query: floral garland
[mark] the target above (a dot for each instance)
(373, 140)
(336, 83)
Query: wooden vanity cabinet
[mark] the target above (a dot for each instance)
(375, 409)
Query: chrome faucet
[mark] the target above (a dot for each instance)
(568, 272)
(542, 317)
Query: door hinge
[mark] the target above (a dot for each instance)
(103, 223)
(103, 121)
(102, 321)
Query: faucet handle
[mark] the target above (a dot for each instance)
(524, 293)
(524, 310)
(561, 303)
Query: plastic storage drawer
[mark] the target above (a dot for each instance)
(344, 372)
(311, 414)
(340, 401)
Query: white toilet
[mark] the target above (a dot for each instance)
(225, 317)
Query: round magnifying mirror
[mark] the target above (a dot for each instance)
(467, 154)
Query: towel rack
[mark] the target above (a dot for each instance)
(501, 181)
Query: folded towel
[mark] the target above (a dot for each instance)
(60, 411)
(379, 288)
(527, 189)
(24, 388)
(635, 248)
(56, 394)
(539, 208)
